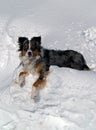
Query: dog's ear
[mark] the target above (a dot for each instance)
(22, 39)
(37, 40)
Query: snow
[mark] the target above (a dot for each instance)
(68, 102)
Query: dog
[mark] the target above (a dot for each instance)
(37, 59)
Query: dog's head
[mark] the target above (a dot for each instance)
(29, 48)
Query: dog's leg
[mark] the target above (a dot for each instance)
(41, 81)
(34, 92)
(39, 84)
(22, 76)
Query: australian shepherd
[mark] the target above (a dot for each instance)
(37, 59)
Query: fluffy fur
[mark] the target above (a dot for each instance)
(35, 58)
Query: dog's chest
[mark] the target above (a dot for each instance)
(29, 65)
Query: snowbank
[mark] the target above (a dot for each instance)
(69, 100)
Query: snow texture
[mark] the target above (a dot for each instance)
(68, 102)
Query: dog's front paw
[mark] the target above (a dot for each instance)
(22, 84)
(34, 92)
(21, 81)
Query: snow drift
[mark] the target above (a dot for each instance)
(69, 100)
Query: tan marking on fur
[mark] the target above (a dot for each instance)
(23, 53)
(39, 68)
(47, 73)
(36, 53)
(23, 74)
(41, 83)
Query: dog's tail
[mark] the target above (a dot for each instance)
(86, 67)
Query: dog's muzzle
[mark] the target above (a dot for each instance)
(29, 53)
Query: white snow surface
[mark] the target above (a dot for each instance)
(68, 102)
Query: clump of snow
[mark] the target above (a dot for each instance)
(90, 34)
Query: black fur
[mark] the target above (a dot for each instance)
(67, 58)
(35, 43)
(23, 43)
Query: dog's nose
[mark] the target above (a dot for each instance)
(29, 53)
